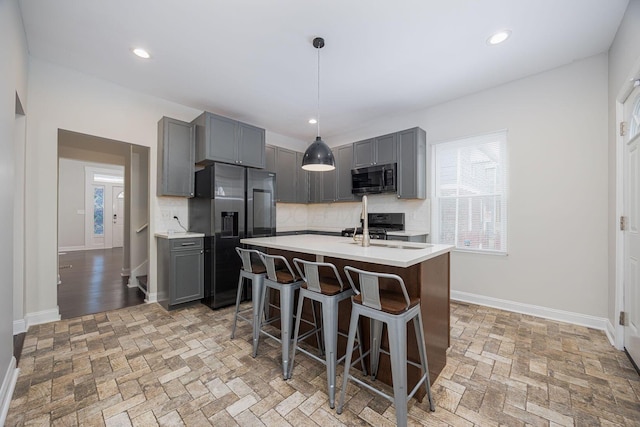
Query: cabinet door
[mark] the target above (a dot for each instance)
(386, 149)
(328, 186)
(363, 153)
(187, 276)
(285, 175)
(344, 160)
(270, 158)
(412, 174)
(250, 146)
(221, 146)
(302, 180)
(315, 181)
(176, 158)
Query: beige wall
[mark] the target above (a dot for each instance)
(557, 148)
(13, 69)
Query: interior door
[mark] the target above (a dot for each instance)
(118, 216)
(632, 233)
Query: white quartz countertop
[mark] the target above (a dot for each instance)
(384, 252)
(177, 235)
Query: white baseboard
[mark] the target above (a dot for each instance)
(71, 248)
(19, 326)
(611, 333)
(6, 392)
(151, 297)
(594, 322)
(44, 316)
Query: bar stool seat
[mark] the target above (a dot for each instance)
(255, 271)
(281, 278)
(328, 292)
(391, 302)
(383, 307)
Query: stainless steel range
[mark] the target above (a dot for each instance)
(379, 224)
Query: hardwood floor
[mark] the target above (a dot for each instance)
(93, 284)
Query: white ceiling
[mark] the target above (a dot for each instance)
(252, 60)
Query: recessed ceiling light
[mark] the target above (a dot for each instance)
(141, 53)
(313, 121)
(499, 37)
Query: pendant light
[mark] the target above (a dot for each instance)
(318, 156)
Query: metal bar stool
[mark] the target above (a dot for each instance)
(394, 310)
(256, 273)
(328, 291)
(286, 282)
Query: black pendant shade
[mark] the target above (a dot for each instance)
(318, 157)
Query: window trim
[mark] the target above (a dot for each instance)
(502, 136)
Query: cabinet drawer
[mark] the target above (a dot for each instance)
(192, 243)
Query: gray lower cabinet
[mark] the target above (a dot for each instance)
(412, 164)
(180, 271)
(379, 150)
(176, 154)
(221, 139)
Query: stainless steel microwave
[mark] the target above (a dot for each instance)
(374, 179)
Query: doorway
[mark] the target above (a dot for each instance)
(631, 223)
(97, 223)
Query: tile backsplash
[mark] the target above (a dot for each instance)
(168, 207)
(318, 216)
(336, 216)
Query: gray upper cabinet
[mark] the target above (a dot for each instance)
(220, 139)
(335, 185)
(412, 164)
(302, 180)
(291, 180)
(176, 154)
(315, 181)
(379, 150)
(251, 142)
(344, 160)
(328, 186)
(270, 158)
(285, 175)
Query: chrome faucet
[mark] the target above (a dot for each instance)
(366, 240)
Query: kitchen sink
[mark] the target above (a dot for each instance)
(395, 244)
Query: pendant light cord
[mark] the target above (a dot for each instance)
(318, 123)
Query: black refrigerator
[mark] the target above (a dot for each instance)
(230, 203)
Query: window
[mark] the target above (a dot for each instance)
(98, 210)
(469, 193)
(634, 127)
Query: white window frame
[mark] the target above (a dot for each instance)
(501, 137)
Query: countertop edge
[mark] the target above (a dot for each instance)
(261, 242)
(187, 235)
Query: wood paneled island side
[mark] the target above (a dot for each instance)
(423, 267)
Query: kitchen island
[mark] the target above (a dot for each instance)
(423, 267)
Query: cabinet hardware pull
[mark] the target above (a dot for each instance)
(187, 244)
